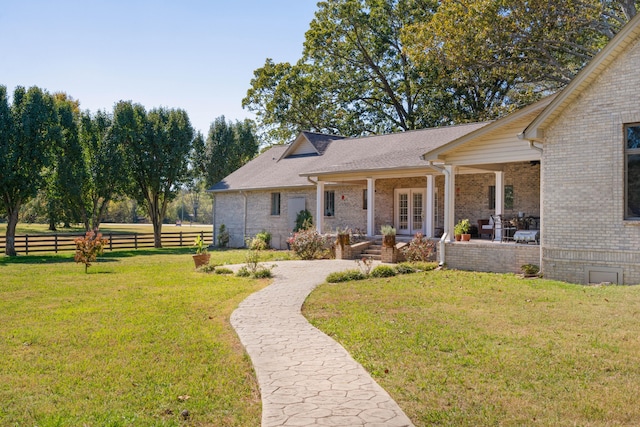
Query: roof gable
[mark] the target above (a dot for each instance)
(309, 144)
(583, 80)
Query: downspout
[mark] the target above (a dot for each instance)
(532, 146)
(244, 218)
(445, 234)
(312, 181)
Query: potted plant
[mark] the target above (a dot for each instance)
(343, 236)
(202, 255)
(388, 236)
(462, 229)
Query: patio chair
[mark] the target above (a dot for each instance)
(486, 227)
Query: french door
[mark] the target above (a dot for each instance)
(409, 210)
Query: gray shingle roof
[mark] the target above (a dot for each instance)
(373, 153)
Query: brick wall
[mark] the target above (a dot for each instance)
(490, 257)
(583, 178)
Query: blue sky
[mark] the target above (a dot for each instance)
(190, 54)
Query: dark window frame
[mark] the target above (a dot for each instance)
(365, 199)
(275, 204)
(329, 203)
(632, 150)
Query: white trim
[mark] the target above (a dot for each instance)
(371, 194)
(319, 206)
(430, 213)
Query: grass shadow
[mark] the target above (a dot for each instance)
(108, 256)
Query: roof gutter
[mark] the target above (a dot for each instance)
(531, 141)
(446, 233)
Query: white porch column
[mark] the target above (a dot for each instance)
(319, 206)
(371, 205)
(431, 211)
(499, 200)
(449, 201)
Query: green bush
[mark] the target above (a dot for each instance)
(262, 241)
(383, 271)
(345, 276)
(304, 221)
(263, 273)
(223, 270)
(243, 272)
(223, 236)
(405, 268)
(424, 266)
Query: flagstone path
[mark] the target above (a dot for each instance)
(305, 377)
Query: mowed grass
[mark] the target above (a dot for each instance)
(135, 342)
(471, 349)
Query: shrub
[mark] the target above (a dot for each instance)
(223, 270)
(345, 276)
(419, 249)
(263, 273)
(223, 236)
(243, 272)
(424, 266)
(383, 271)
(88, 248)
(307, 244)
(405, 268)
(262, 241)
(209, 268)
(530, 269)
(304, 221)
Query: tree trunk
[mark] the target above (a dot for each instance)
(12, 221)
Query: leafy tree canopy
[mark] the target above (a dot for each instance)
(377, 66)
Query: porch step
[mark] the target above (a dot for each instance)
(374, 251)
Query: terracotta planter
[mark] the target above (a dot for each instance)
(389, 241)
(458, 237)
(466, 237)
(201, 259)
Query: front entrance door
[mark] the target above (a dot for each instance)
(409, 210)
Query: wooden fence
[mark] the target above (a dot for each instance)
(31, 243)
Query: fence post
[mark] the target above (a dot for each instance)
(111, 241)
(202, 236)
(135, 240)
(26, 243)
(55, 243)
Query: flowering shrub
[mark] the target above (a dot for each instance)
(88, 248)
(307, 244)
(420, 249)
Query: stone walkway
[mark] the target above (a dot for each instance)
(305, 377)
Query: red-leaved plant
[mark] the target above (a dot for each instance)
(88, 248)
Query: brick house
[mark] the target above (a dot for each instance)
(572, 160)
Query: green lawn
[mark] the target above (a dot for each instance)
(471, 349)
(124, 344)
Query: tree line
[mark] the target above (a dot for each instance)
(378, 66)
(82, 160)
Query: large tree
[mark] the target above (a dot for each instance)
(104, 161)
(26, 142)
(228, 146)
(156, 146)
(492, 55)
(354, 77)
(66, 173)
